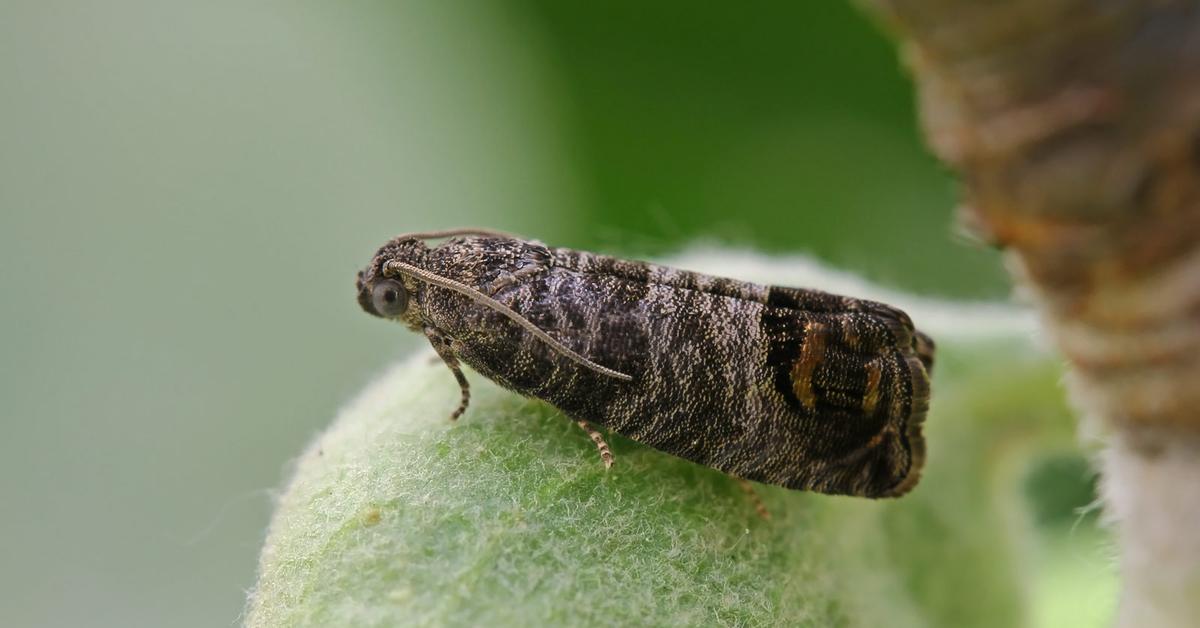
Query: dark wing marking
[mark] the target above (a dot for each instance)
(859, 377)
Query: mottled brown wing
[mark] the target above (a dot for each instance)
(845, 386)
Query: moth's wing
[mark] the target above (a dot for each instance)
(853, 377)
(816, 301)
(811, 301)
(799, 299)
(836, 403)
(803, 389)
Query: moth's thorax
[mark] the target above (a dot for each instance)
(487, 265)
(479, 262)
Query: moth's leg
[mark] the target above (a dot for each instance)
(442, 346)
(759, 506)
(605, 453)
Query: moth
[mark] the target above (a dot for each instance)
(792, 387)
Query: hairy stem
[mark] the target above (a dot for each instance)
(1074, 127)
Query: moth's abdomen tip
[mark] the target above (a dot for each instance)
(913, 438)
(904, 487)
(925, 348)
(916, 350)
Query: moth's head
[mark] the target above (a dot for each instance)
(388, 294)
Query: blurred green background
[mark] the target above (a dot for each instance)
(186, 191)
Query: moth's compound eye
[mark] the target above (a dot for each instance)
(389, 298)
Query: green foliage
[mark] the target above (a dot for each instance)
(784, 128)
(507, 517)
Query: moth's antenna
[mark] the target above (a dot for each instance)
(486, 301)
(450, 233)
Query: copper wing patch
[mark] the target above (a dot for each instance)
(858, 381)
